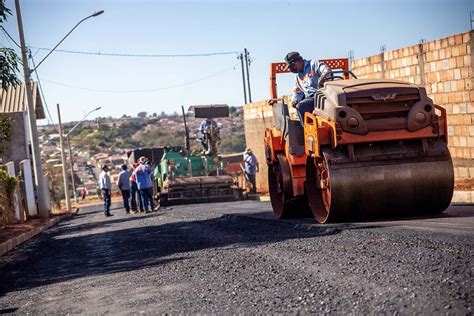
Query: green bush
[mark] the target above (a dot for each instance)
(7, 190)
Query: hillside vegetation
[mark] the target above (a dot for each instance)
(150, 131)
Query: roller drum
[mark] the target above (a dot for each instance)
(395, 180)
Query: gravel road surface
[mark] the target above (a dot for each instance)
(236, 258)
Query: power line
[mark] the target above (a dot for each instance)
(147, 90)
(137, 55)
(41, 92)
(9, 36)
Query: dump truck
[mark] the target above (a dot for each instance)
(371, 148)
(187, 176)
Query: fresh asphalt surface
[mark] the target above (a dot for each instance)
(236, 258)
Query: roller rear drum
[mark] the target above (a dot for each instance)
(393, 180)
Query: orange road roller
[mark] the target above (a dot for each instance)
(371, 148)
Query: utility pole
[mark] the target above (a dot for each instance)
(72, 170)
(471, 18)
(383, 49)
(247, 64)
(241, 57)
(38, 170)
(421, 61)
(63, 160)
(351, 59)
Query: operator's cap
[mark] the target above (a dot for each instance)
(291, 57)
(143, 159)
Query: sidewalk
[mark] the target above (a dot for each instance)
(14, 235)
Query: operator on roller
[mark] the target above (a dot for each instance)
(308, 76)
(202, 131)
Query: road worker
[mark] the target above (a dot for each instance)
(251, 168)
(308, 76)
(106, 189)
(203, 130)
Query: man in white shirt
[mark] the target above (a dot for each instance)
(106, 188)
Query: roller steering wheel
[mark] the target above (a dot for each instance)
(329, 76)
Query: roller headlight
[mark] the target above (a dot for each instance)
(420, 117)
(353, 122)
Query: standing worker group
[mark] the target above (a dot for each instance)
(136, 199)
(143, 174)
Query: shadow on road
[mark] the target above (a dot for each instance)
(71, 251)
(77, 248)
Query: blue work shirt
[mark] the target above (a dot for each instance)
(250, 163)
(207, 123)
(123, 181)
(306, 83)
(143, 174)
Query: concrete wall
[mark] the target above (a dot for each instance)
(258, 116)
(18, 150)
(445, 67)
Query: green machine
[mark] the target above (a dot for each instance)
(186, 176)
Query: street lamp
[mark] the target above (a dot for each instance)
(90, 16)
(70, 151)
(38, 170)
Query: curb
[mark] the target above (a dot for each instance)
(18, 240)
(463, 197)
(259, 197)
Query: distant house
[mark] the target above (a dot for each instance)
(13, 102)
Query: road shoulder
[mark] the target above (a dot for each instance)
(14, 235)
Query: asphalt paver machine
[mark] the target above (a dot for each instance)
(371, 148)
(187, 176)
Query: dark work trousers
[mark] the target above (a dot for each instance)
(204, 144)
(147, 198)
(126, 198)
(251, 178)
(136, 199)
(107, 201)
(305, 105)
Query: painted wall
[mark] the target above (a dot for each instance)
(18, 150)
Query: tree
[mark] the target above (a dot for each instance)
(8, 58)
(142, 114)
(8, 75)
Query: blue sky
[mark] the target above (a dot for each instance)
(267, 28)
